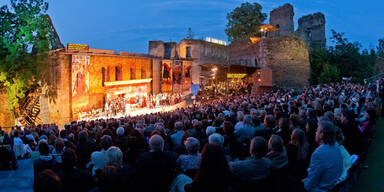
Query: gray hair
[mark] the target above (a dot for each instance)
(210, 130)
(216, 139)
(156, 142)
(329, 132)
(120, 131)
(192, 145)
(114, 156)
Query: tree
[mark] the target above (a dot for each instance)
(349, 60)
(380, 48)
(329, 74)
(24, 47)
(244, 21)
(190, 34)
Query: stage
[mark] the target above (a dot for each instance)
(136, 112)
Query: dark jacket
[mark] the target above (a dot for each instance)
(154, 171)
(76, 180)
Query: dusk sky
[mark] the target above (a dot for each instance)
(128, 25)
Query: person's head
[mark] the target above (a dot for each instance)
(213, 164)
(216, 139)
(326, 133)
(83, 136)
(371, 114)
(297, 136)
(247, 120)
(259, 147)
(210, 130)
(276, 143)
(69, 158)
(269, 121)
(240, 116)
(114, 156)
(105, 142)
(120, 131)
(179, 125)
(47, 181)
(228, 127)
(346, 115)
(156, 142)
(59, 145)
(192, 145)
(43, 148)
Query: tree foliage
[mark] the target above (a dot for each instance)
(244, 21)
(342, 59)
(24, 47)
(190, 34)
(380, 48)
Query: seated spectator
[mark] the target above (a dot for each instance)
(73, 179)
(245, 132)
(157, 166)
(58, 151)
(326, 162)
(190, 161)
(213, 173)
(176, 137)
(114, 157)
(298, 153)
(45, 161)
(47, 181)
(84, 149)
(18, 146)
(121, 141)
(98, 157)
(256, 167)
(277, 153)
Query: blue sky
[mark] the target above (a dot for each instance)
(128, 25)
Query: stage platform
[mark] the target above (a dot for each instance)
(141, 111)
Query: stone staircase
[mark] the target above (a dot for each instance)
(30, 110)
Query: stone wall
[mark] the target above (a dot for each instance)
(6, 118)
(156, 48)
(288, 58)
(243, 53)
(282, 18)
(312, 30)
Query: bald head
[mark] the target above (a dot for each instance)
(156, 143)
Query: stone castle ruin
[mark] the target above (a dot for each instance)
(311, 28)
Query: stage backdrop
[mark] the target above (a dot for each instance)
(177, 77)
(80, 83)
(166, 77)
(186, 78)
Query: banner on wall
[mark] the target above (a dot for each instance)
(80, 75)
(166, 77)
(177, 77)
(186, 78)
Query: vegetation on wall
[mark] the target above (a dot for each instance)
(24, 47)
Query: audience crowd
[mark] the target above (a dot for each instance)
(314, 139)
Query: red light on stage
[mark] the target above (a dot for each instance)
(259, 80)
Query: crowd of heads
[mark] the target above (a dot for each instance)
(203, 141)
